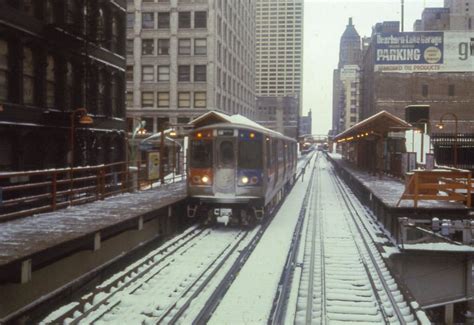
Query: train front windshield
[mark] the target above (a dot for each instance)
(201, 154)
(250, 154)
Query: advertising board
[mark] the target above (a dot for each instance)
(424, 52)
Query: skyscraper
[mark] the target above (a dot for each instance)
(280, 51)
(187, 57)
(346, 86)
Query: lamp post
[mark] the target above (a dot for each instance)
(84, 119)
(138, 130)
(440, 126)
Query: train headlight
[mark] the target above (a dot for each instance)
(254, 180)
(245, 180)
(205, 179)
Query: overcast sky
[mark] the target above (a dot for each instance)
(324, 23)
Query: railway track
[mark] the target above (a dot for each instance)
(343, 278)
(153, 289)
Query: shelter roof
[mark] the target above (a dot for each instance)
(379, 123)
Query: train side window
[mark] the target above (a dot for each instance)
(226, 152)
(274, 152)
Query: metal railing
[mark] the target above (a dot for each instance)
(27, 193)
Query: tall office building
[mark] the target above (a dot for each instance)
(279, 47)
(346, 77)
(280, 50)
(185, 57)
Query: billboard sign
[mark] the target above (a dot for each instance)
(424, 52)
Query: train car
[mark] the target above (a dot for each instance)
(238, 170)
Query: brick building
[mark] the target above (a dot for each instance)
(56, 57)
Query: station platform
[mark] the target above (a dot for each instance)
(381, 194)
(43, 238)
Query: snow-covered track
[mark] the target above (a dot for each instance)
(392, 303)
(343, 278)
(278, 312)
(129, 293)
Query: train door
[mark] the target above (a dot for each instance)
(224, 174)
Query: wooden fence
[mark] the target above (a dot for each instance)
(438, 185)
(32, 192)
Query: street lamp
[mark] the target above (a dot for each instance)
(84, 119)
(138, 130)
(440, 126)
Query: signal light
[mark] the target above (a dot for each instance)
(245, 180)
(199, 135)
(252, 135)
(205, 179)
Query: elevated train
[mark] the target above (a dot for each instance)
(238, 169)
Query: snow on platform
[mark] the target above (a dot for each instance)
(254, 289)
(438, 247)
(389, 189)
(22, 238)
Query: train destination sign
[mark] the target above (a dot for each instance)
(424, 52)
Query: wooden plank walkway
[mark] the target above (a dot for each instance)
(22, 238)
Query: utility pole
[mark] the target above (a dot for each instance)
(403, 15)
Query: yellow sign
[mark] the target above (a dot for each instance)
(153, 165)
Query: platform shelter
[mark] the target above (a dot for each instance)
(375, 144)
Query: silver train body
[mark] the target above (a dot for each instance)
(239, 170)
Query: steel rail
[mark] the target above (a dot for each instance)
(133, 275)
(278, 312)
(357, 222)
(229, 250)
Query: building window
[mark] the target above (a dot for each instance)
(200, 46)
(199, 73)
(129, 99)
(69, 91)
(148, 124)
(199, 99)
(163, 46)
(163, 99)
(50, 82)
(184, 73)
(183, 120)
(184, 46)
(129, 47)
(424, 90)
(148, 99)
(184, 99)
(148, 73)
(200, 19)
(3, 70)
(28, 76)
(130, 19)
(148, 46)
(163, 73)
(163, 20)
(451, 90)
(184, 19)
(129, 73)
(148, 20)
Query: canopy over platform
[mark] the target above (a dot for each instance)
(377, 124)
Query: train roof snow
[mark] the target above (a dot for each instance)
(213, 118)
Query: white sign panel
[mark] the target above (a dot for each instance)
(425, 52)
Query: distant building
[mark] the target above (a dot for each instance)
(54, 59)
(279, 114)
(346, 81)
(185, 58)
(306, 124)
(461, 14)
(442, 80)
